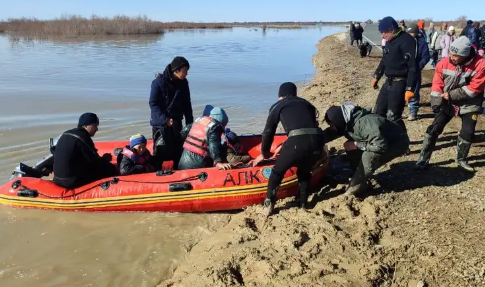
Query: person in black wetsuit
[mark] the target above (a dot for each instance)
(76, 160)
(399, 65)
(302, 148)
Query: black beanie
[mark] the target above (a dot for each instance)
(335, 115)
(87, 119)
(178, 63)
(287, 89)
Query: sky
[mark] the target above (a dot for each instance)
(246, 10)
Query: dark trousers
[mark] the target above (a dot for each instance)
(300, 151)
(414, 102)
(390, 102)
(359, 41)
(365, 163)
(167, 143)
(441, 119)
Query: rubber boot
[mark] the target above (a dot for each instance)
(270, 202)
(358, 184)
(429, 143)
(303, 196)
(462, 150)
(268, 207)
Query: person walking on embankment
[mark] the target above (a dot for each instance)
(446, 41)
(422, 58)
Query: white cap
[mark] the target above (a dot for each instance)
(451, 28)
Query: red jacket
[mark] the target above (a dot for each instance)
(464, 84)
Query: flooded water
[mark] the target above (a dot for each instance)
(45, 86)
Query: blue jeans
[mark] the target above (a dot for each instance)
(414, 102)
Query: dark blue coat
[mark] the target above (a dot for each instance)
(169, 98)
(422, 55)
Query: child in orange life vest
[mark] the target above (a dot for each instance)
(136, 158)
(234, 149)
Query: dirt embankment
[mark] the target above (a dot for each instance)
(417, 229)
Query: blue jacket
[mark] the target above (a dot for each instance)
(169, 98)
(422, 55)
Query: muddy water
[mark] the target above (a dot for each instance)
(45, 86)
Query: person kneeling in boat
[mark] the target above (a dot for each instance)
(303, 147)
(136, 158)
(372, 141)
(234, 152)
(202, 145)
(76, 160)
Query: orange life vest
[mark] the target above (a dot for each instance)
(196, 140)
(137, 159)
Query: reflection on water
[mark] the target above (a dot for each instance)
(109, 40)
(46, 85)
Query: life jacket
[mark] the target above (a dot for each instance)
(137, 159)
(196, 140)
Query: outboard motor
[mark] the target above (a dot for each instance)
(42, 168)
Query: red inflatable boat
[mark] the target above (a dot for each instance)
(195, 190)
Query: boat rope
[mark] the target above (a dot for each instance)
(28, 192)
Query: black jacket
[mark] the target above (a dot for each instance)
(190, 160)
(169, 98)
(358, 33)
(128, 166)
(294, 113)
(352, 31)
(365, 49)
(76, 160)
(399, 59)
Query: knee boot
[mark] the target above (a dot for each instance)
(270, 201)
(358, 185)
(429, 143)
(462, 150)
(302, 198)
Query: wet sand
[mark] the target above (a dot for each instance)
(415, 229)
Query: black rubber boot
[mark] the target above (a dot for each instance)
(303, 196)
(462, 150)
(429, 142)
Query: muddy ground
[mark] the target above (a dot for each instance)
(416, 229)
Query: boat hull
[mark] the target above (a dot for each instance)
(203, 190)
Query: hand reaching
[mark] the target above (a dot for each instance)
(223, 166)
(107, 156)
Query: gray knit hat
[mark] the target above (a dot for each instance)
(461, 47)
